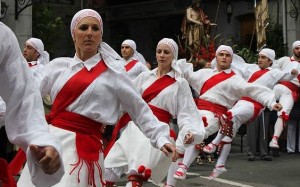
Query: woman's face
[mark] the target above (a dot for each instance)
(164, 55)
(87, 35)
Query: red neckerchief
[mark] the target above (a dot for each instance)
(292, 59)
(130, 65)
(214, 80)
(31, 65)
(151, 92)
(257, 74)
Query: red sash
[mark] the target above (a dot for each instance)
(219, 110)
(154, 89)
(213, 107)
(214, 80)
(72, 89)
(257, 74)
(88, 132)
(130, 65)
(6, 176)
(151, 92)
(257, 106)
(85, 128)
(294, 88)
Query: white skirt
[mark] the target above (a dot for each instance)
(134, 149)
(69, 157)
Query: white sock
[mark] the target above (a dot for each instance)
(224, 154)
(172, 169)
(190, 155)
(218, 138)
(129, 184)
(278, 128)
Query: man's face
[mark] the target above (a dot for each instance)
(126, 51)
(296, 52)
(30, 53)
(224, 60)
(263, 61)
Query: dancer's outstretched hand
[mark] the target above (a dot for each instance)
(277, 107)
(294, 72)
(168, 149)
(189, 138)
(47, 157)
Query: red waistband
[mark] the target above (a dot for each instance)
(257, 106)
(213, 107)
(293, 87)
(77, 123)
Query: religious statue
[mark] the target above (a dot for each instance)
(196, 28)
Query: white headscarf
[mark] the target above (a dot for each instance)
(225, 48)
(295, 44)
(38, 45)
(174, 47)
(83, 14)
(136, 55)
(108, 54)
(268, 53)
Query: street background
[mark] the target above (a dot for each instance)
(283, 171)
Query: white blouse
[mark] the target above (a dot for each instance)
(24, 119)
(227, 92)
(177, 99)
(285, 64)
(102, 98)
(138, 68)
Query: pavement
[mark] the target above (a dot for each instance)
(283, 171)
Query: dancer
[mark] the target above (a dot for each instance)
(24, 117)
(87, 92)
(219, 89)
(169, 96)
(287, 92)
(135, 63)
(247, 108)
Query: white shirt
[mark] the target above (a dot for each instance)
(227, 92)
(138, 68)
(2, 111)
(285, 64)
(37, 70)
(102, 98)
(177, 99)
(24, 119)
(268, 79)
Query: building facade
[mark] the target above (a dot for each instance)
(147, 21)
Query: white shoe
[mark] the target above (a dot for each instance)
(180, 172)
(274, 143)
(217, 172)
(210, 148)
